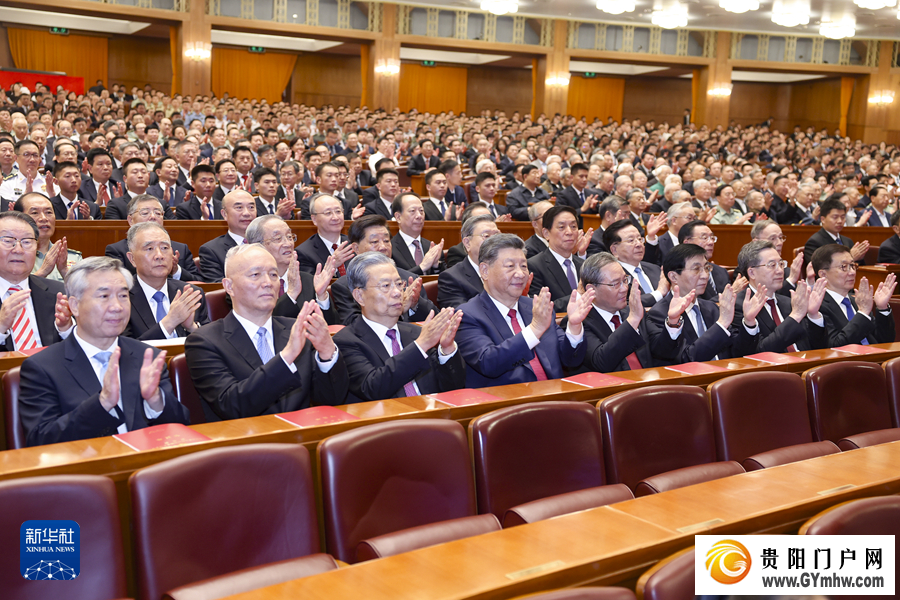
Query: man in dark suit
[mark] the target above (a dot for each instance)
(455, 192)
(614, 336)
(557, 267)
(462, 282)
(420, 163)
(387, 358)
(698, 232)
(370, 234)
(328, 216)
(536, 244)
(832, 214)
(683, 327)
(578, 195)
(486, 187)
(889, 251)
(411, 251)
(328, 175)
(677, 216)
(879, 198)
(253, 363)
(785, 324)
(436, 206)
(67, 203)
(100, 163)
(861, 318)
(136, 181)
(456, 254)
(238, 210)
(509, 338)
(626, 243)
(201, 204)
(166, 188)
(530, 192)
(186, 153)
(161, 308)
(146, 208)
(229, 178)
(96, 383)
(266, 182)
(387, 186)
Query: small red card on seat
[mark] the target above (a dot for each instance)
(160, 436)
(595, 380)
(333, 329)
(464, 397)
(696, 368)
(32, 351)
(317, 415)
(858, 349)
(775, 358)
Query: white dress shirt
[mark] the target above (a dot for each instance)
(531, 339)
(151, 302)
(251, 328)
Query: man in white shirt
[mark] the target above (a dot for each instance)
(26, 179)
(410, 250)
(626, 243)
(238, 210)
(385, 150)
(266, 183)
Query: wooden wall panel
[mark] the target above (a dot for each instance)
(498, 88)
(816, 103)
(327, 79)
(137, 61)
(6, 59)
(753, 103)
(657, 98)
(600, 97)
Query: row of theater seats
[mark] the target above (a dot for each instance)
(393, 487)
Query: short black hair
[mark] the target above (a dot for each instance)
(611, 234)
(261, 172)
(195, 172)
(687, 230)
(822, 257)
(676, 259)
(358, 228)
(551, 213)
(830, 205)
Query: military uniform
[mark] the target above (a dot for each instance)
(14, 186)
(73, 258)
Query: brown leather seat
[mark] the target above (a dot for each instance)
(894, 303)
(251, 579)
(672, 578)
(563, 504)
(868, 516)
(660, 438)
(219, 511)
(583, 593)
(848, 404)
(392, 476)
(185, 390)
(216, 305)
(431, 290)
(872, 255)
(523, 454)
(88, 500)
(15, 433)
(892, 380)
(414, 538)
(760, 429)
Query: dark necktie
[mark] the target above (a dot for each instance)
(535, 363)
(570, 274)
(408, 388)
(775, 317)
(633, 361)
(701, 326)
(848, 308)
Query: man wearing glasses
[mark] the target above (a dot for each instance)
(698, 232)
(327, 215)
(833, 216)
(770, 231)
(786, 323)
(462, 282)
(387, 358)
(626, 243)
(678, 215)
(26, 179)
(557, 268)
(863, 318)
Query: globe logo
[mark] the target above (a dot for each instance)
(728, 561)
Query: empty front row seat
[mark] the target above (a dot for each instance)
(540, 460)
(660, 438)
(760, 429)
(672, 578)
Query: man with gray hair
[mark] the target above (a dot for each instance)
(462, 282)
(96, 382)
(537, 243)
(613, 209)
(506, 337)
(678, 215)
(252, 363)
(387, 358)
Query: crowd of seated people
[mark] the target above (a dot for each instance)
(643, 290)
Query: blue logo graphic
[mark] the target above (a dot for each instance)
(50, 550)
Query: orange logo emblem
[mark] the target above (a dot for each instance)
(728, 561)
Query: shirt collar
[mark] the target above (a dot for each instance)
(89, 349)
(236, 237)
(504, 310)
(836, 296)
(5, 285)
(379, 329)
(408, 240)
(251, 328)
(607, 316)
(149, 290)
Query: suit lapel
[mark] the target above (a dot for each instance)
(498, 320)
(403, 249)
(237, 336)
(557, 271)
(141, 307)
(44, 306)
(79, 367)
(129, 376)
(369, 338)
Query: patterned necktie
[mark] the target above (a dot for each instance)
(103, 359)
(418, 256)
(280, 287)
(24, 333)
(409, 389)
(633, 361)
(161, 313)
(570, 274)
(848, 308)
(777, 318)
(535, 363)
(701, 326)
(342, 270)
(262, 346)
(645, 285)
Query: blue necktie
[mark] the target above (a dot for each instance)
(161, 313)
(848, 308)
(645, 285)
(701, 326)
(103, 359)
(262, 346)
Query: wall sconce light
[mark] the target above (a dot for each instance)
(882, 98)
(388, 67)
(198, 51)
(721, 91)
(561, 80)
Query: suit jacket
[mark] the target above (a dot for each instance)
(347, 309)
(823, 238)
(348, 202)
(875, 220)
(806, 335)
(234, 383)
(596, 244)
(118, 208)
(652, 273)
(43, 298)
(88, 191)
(569, 197)
(219, 193)
(143, 324)
(666, 243)
(548, 273)
(689, 347)
(534, 246)
(313, 253)
(518, 200)
(365, 179)
(189, 271)
(432, 212)
(719, 278)
(191, 210)
(262, 210)
(458, 284)
(377, 207)
(607, 350)
(183, 180)
(841, 331)
(455, 255)
(61, 210)
(495, 356)
(60, 394)
(456, 195)
(174, 200)
(661, 205)
(375, 375)
(404, 259)
(417, 164)
(889, 251)
(212, 257)
(642, 224)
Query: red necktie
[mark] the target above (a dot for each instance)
(280, 288)
(777, 319)
(536, 365)
(341, 269)
(634, 362)
(23, 329)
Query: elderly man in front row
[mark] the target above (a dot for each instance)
(96, 383)
(462, 282)
(508, 338)
(387, 358)
(251, 363)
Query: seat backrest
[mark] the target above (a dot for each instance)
(892, 379)
(670, 579)
(655, 430)
(894, 303)
(185, 390)
(846, 398)
(868, 516)
(872, 255)
(431, 290)
(219, 511)
(216, 305)
(391, 476)
(15, 433)
(88, 500)
(529, 452)
(747, 420)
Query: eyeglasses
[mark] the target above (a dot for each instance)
(30, 156)
(280, 238)
(696, 270)
(632, 241)
(387, 286)
(146, 212)
(776, 238)
(772, 264)
(706, 238)
(616, 284)
(8, 242)
(843, 267)
(330, 213)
